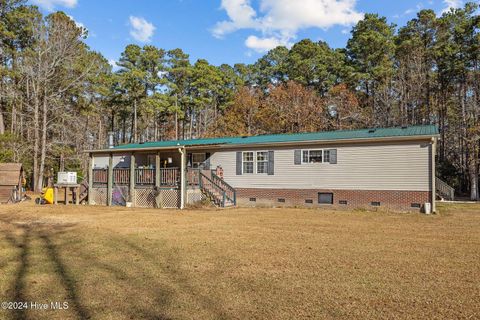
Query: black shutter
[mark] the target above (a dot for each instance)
(297, 159)
(271, 163)
(239, 163)
(333, 156)
(207, 161)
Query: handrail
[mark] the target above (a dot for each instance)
(204, 186)
(444, 189)
(225, 185)
(221, 191)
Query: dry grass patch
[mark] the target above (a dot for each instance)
(119, 263)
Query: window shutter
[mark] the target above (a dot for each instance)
(271, 163)
(333, 156)
(297, 159)
(239, 163)
(207, 161)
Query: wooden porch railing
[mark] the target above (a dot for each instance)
(121, 176)
(100, 176)
(169, 176)
(144, 177)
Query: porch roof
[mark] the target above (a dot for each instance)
(422, 131)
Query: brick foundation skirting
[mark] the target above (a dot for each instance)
(395, 200)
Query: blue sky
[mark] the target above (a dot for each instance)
(226, 31)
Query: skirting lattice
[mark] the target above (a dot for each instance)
(194, 196)
(149, 198)
(99, 196)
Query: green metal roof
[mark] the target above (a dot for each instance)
(425, 130)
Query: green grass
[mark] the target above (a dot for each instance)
(119, 263)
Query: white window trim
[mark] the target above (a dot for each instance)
(255, 162)
(314, 163)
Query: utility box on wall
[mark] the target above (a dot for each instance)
(67, 178)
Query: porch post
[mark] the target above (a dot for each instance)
(132, 179)
(183, 166)
(90, 179)
(110, 180)
(157, 170)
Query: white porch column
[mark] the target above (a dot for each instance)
(183, 168)
(132, 179)
(90, 179)
(434, 175)
(110, 180)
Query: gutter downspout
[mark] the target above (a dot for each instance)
(182, 177)
(434, 191)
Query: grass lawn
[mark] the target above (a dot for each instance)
(119, 263)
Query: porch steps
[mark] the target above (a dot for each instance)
(83, 191)
(220, 193)
(443, 190)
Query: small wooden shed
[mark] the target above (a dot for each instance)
(11, 177)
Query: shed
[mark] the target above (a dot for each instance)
(11, 176)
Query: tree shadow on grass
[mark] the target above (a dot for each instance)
(180, 279)
(48, 233)
(44, 232)
(23, 244)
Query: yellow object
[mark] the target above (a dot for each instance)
(47, 195)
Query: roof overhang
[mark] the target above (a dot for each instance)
(276, 144)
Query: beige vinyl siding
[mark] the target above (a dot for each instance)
(404, 166)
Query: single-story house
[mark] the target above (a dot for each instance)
(382, 167)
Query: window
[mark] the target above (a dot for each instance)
(248, 162)
(416, 205)
(255, 162)
(313, 156)
(253, 199)
(308, 201)
(344, 202)
(262, 162)
(326, 156)
(375, 203)
(325, 198)
(198, 159)
(281, 200)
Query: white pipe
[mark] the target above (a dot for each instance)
(182, 178)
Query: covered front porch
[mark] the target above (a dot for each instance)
(138, 178)
(167, 178)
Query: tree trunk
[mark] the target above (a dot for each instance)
(2, 123)
(44, 146)
(474, 195)
(135, 140)
(100, 134)
(36, 142)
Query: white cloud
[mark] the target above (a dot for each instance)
(50, 5)
(141, 30)
(265, 44)
(78, 24)
(280, 20)
(114, 64)
(449, 4)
